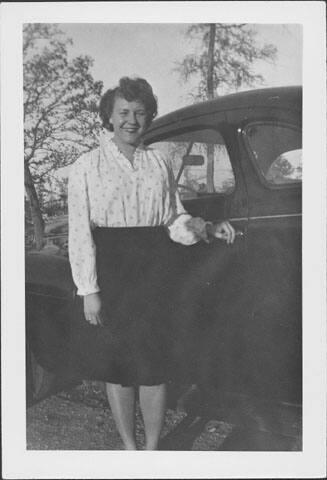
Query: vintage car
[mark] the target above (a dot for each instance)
(237, 157)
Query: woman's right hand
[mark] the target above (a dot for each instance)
(92, 308)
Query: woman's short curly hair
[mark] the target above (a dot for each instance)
(130, 89)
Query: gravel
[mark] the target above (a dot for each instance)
(80, 419)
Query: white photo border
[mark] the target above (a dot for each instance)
(21, 463)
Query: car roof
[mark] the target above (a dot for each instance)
(284, 97)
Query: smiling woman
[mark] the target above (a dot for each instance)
(129, 121)
(128, 111)
(123, 201)
(130, 92)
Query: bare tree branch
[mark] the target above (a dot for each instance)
(226, 63)
(58, 124)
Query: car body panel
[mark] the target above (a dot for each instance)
(288, 98)
(49, 297)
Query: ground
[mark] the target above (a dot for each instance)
(80, 419)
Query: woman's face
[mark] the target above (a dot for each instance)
(129, 120)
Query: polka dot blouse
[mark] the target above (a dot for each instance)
(106, 190)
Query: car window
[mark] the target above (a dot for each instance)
(286, 168)
(206, 168)
(277, 151)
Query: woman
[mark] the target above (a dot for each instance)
(124, 216)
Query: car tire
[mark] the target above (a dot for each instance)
(39, 380)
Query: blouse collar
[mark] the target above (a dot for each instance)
(107, 144)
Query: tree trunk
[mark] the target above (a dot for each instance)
(210, 94)
(35, 209)
(211, 51)
(210, 167)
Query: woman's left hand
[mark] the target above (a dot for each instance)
(224, 231)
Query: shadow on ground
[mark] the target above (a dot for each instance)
(246, 425)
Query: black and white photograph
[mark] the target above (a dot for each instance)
(166, 301)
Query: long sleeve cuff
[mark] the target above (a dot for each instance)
(186, 229)
(82, 291)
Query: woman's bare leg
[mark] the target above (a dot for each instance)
(153, 406)
(122, 404)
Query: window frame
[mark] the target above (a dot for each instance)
(263, 180)
(195, 128)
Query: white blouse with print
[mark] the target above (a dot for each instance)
(106, 190)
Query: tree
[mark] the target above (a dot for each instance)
(60, 119)
(228, 52)
(225, 60)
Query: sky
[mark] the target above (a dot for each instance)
(152, 50)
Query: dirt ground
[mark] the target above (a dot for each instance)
(81, 420)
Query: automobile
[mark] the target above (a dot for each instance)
(237, 157)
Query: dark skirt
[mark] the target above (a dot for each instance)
(140, 343)
(162, 304)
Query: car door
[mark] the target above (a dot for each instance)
(213, 294)
(270, 145)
